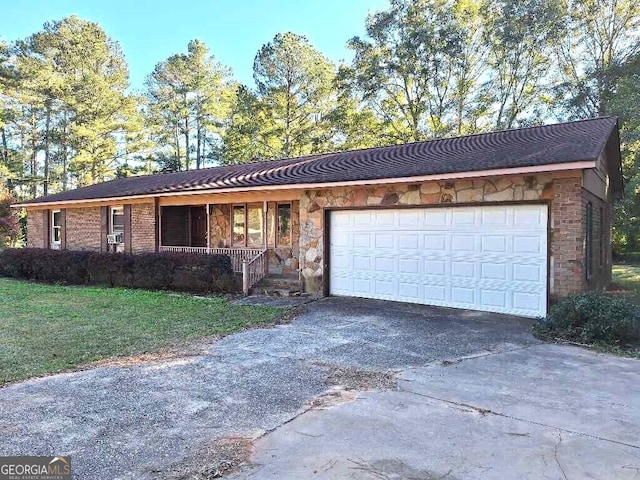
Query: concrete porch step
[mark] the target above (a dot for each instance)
(278, 285)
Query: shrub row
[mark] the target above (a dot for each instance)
(593, 317)
(155, 271)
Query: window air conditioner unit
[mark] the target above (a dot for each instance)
(114, 239)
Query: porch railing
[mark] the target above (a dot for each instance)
(237, 255)
(253, 271)
(252, 263)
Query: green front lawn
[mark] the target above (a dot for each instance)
(628, 278)
(49, 328)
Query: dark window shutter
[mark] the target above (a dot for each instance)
(46, 229)
(127, 227)
(157, 224)
(63, 229)
(104, 228)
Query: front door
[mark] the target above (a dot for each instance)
(198, 226)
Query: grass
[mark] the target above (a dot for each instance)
(50, 328)
(628, 278)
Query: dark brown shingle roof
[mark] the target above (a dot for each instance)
(525, 147)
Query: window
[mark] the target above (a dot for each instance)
(589, 241)
(284, 225)
(56, 228)
(116, 220)
(255, 222)
(249, 229)
(238, 222)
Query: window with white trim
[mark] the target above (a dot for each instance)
(116, 221)
(56, 229)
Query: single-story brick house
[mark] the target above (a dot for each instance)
(499, 221)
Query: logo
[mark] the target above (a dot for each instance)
(35, 468)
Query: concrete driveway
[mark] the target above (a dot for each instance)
(475, 396)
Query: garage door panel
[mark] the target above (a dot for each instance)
(495, 217)
(409, 241)
(409, 290)
(435, 217)
(435, 242)
(463, 243)
(362, 240)
(463, 269)
(463, 218)
(386, 241)
(487, 258)
(528, 244)
(409, 218)
(494, 243)
(526, 273)
(461, 295)
(528, 217)
(493, 299)
(493, 271)
(360, 262)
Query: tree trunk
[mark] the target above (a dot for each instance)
(177, 138)
(186, 142)
(5, 147)
(287, 135)
(34, 158)
(198, 133)
(47, 128)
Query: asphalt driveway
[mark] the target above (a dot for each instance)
(476, 396)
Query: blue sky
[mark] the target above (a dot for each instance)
(150, 31)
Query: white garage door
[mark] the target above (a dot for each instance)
(491, 258)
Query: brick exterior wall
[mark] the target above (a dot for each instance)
(35, 231)
(567, 213)
(566, 237)
(84, 229)
(143, 227)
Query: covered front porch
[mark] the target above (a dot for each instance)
(261, 238)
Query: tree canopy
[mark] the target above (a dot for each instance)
(424, 69)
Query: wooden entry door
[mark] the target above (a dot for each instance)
(198, 226)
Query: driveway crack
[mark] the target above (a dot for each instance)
(486, 411)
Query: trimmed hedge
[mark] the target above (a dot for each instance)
(592, 317)
(153, 271)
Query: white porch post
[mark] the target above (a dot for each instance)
(265, 231)
(208, 231)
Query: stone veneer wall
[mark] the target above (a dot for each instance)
(565, 195)
(220, 226)
(281, 259)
